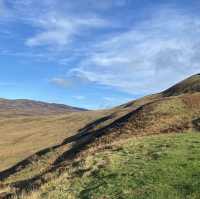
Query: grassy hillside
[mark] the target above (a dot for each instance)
(36, 149)
(171, 114)
(157, 167)
(189, 85)
(23, 136)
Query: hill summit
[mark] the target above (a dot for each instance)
(190, 85)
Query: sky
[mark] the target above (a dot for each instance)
(96, 53)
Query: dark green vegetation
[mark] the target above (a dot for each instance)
(157, 167)
(81, 144)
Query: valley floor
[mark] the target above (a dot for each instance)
(154, 167)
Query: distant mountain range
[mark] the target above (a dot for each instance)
(23, 107)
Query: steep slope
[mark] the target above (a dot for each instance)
(190, 85)
(173, 114)
(174, 110)
(13, 108)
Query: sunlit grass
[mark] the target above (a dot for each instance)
(157, 167)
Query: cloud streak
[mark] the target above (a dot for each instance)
(60, 30)
(149, 57)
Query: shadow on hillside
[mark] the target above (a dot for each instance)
(196, 124)
(78, 143)
(78, 140)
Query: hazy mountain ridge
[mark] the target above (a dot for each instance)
(23, 107)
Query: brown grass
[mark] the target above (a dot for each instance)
(65, 136)
(22, 137)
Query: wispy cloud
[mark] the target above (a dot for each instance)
(60, 82)
(60, 30)
(149, 57)
(54, 23)
(79, 97)
(70, 80)
(105, 42)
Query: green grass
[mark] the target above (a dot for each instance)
(156, 167)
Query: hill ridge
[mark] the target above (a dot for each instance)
(189, 85)
(26, 107)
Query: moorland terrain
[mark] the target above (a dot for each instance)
(146, 148)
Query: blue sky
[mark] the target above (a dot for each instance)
(96, 54)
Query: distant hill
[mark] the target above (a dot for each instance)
(23, 107)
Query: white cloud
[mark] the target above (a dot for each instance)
(151, 56)
(58, 30)
(60, 82)
(54, 23)
(154, 53)
(70, 80)
(79, 97)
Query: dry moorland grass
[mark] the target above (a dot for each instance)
(21, 137)
(28, 135)
(24, 132)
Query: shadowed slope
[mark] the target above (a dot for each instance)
(23, 136)
(190, 85)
